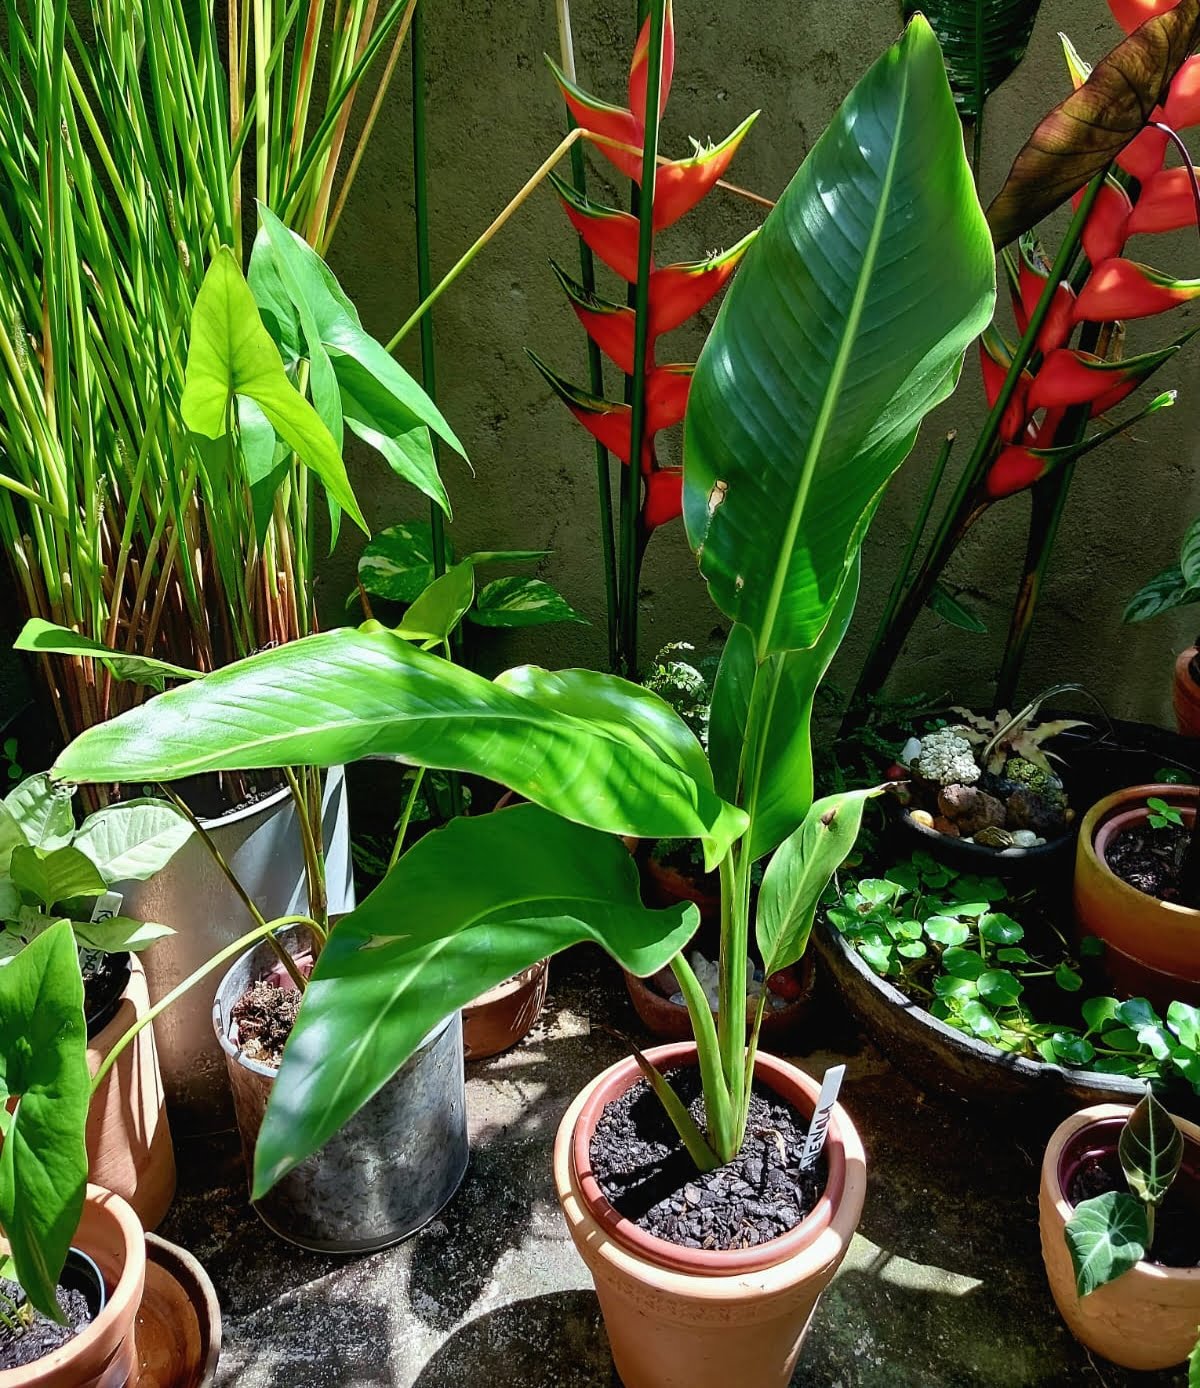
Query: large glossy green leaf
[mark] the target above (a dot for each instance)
(134, 839)
(1106, 1236)
(55, 874)
(45, 638)
(380, 401)
(1151, 1150)
(441, 607)
(626, 711)
(467, 907)
(845, 325)
(347, 694)
(42, 812)
(232, 354)
(982, 42)
(800, 871)
(777, 786)
(43, 1067)
(1085, 132)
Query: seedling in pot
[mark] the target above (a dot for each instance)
(1162, 815)
(1111, 1233)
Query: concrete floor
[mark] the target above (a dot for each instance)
(942, 1288)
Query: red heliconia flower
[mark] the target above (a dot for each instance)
(1121, 288)
(1015, 469)
(1129, 14)
(995, 357)
(674, 292)
(1182, 108)
(664, 497)
(1069, 377)
(1166, 203)
(1107, 226)
(1144, 154)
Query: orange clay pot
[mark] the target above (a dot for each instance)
(1146, 1318)
(1186, 694)
(128, 1138)
(1153, 946)
(692, 1318)
(506, 1013)
(104, 1354)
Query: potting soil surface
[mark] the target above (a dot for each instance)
(943, 1286)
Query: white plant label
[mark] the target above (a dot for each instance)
(107, 906)
(830, 1088)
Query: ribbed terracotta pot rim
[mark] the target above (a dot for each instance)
(1100, 1115)
(102, 1336)
(1107, 818)
(791, 1084)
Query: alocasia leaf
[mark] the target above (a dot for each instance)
(982, 42)
(1106, 1237)
(1150, 1149)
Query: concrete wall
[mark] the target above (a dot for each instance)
(494, 114)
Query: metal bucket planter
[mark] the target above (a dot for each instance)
(192, 896)
(389, 1170)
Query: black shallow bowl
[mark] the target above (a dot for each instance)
(1094, 765)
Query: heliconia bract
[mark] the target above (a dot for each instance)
(676, 292)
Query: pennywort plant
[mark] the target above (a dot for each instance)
(1111, 1233)
(801, 409)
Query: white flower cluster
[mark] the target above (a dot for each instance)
(946, 757)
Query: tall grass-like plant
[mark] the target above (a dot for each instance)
(131, 136)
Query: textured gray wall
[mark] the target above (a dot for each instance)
(494, 114)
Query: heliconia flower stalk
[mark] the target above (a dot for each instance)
(1121, 288)
(674, 293)
(1015, 469)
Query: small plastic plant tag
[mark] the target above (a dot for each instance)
(107, 906)
(830, 1088)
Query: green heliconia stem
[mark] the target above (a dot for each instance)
(424, 285)
(632, 540)
(587, 276)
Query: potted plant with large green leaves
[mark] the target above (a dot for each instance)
(52, 870)
(802, 408)
(74, 1265)
(278, 367)
(1120, 1237)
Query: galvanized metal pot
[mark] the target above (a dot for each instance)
(389, 1170)
(192, 896)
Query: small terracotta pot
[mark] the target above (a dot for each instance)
(128, 1138)
(506, 1013)
(669, 1021)
(1154, 946)
(1146, 1318)
(1185, 694)
(178, 1322)
(103, 1354)
(689, 1318)
(666, 885)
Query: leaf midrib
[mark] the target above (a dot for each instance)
(834, 386)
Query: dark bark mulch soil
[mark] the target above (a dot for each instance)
(1177, 1220)
(43, 1336)
(264, 1016)
(647, 1175)
(1150, 859)
(104, 980)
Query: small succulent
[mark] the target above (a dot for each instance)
(946, 758)
(1009, 738)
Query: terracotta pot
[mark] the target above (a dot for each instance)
(1186, 694)
(103, 1355)
(178, 1322)
(128, 1138)
(669, 1021)
(688, 1318)
(1147, 1317)
(506, 1013)
(1154, 946)
(666, 885)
